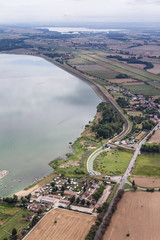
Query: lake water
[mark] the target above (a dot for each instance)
(76, 30)
(42, 109)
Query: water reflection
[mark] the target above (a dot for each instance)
(42, 109)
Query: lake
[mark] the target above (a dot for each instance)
(42, 109)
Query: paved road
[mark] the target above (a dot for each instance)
(91, 160)
(126, 174)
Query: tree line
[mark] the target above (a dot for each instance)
(151, 147)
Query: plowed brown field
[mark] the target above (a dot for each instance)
(146, 181)
(69, 226)
(138, 216)
(155, 138)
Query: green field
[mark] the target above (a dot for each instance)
(103, 74)
(144, 89)
(79, 61)
(12, 217)
(113, 162)
(147, 165)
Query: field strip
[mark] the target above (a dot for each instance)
(123, 69)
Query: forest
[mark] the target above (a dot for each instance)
(110, 123)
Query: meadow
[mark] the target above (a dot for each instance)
(112, 162)
(147, 165)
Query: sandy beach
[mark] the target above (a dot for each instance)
(31, 190)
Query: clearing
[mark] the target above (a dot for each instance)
(62, 225)
(138, 216)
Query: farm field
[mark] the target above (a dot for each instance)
(12, 217)
(103, 74)
(147, 165)
(91, 67)
(155, 138)
(146, 181)
(138, 216)
(62, 225)
(122, 80)
(143, 88)
(112, 162)
(155, 70)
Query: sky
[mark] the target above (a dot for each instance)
(45, 11)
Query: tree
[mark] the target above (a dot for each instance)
(83, 201)
(77, 200)
(53, 184)
(14, 233)
(133, 183)
(72, 199)
(34, 221)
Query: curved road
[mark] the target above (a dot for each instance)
(91, 160)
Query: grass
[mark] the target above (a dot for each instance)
(127, 186)
(78, 61)
(113, 162)
(103, 74)
(147, 165)
(12, 217)
(81, 154)
(111, 196)
(144, 89)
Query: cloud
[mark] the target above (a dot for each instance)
(146, 2)
(78, 10)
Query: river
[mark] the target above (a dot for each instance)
(42, 109)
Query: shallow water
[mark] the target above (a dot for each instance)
(42, 109)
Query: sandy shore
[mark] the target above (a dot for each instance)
(3, 173)
(31, 190)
